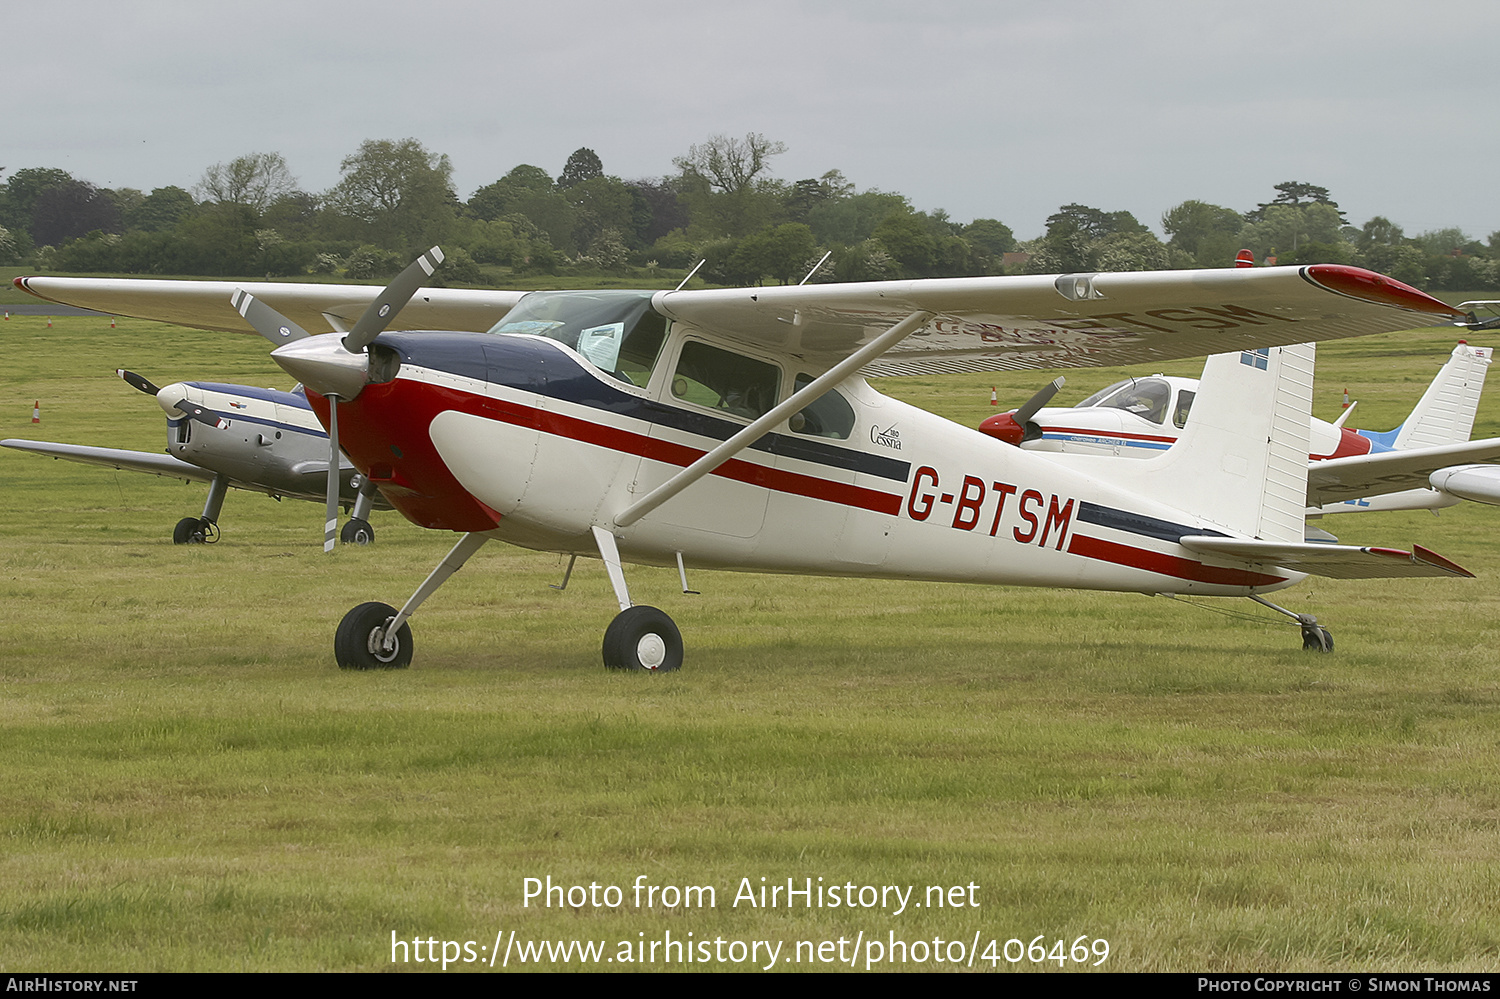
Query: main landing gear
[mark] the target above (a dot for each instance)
(1315, 638)
(377, 636)
(204, 530)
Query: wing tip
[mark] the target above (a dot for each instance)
(1368, 286)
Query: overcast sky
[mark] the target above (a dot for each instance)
(985, 109)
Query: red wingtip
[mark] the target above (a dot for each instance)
(1356, 282)
(1244, 259)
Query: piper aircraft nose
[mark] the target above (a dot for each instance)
(168, 396)
(323, 365)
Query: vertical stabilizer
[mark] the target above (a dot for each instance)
(1241, 462)
(1445, 414)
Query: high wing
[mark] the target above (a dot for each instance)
(205, 304)
(1356, 476)
(1334, 561)
(165, 465)
(1060, 321)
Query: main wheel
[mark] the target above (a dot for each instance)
(359, 641)
(357, 532)
(189, 531)
(643, 638)
(1316, 638)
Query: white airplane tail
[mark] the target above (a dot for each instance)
(1445, 414)
(1241, 462)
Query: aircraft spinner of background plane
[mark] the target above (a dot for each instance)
(1426, 463)
(237, 436)
(735, 429)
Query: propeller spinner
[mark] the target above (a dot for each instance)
(335, 368)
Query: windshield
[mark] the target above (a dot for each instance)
(615, 330)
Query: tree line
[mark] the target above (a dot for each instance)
(721, 204)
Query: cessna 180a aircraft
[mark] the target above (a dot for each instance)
(735, 429)
(1351, 470)
(239, 436)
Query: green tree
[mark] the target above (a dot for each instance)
(1207, 233)
(1295, 194)
(730, 165)
(255, 180)
(583, 164)
(397, 193)
(70, 210)
(161, 210)
(990, 235)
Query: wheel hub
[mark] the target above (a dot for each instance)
(377, 648)
(651, 651)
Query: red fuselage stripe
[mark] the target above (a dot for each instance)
(1166, 565)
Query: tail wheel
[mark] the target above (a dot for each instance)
(643, 638)
(1316, 638)
(359, 642)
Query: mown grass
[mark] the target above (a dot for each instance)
(190, 784)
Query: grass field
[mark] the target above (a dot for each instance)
(190, 783)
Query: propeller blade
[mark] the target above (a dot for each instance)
(1036, 402)
(391, 300)
(135, 381)
(193, 411)
(267, 321)
(330, 527)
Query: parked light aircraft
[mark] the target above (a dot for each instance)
(733, 429)
(1352, 470)
(237, 436)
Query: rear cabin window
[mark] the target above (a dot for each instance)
(831, 416)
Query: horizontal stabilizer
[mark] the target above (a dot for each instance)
(1334, 561)
(1363, 475)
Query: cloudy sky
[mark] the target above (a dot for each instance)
(986, 109)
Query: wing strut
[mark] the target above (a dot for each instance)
(798, 400)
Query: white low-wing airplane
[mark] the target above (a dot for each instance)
(233, 436)
(734, 429)
(1351, 470)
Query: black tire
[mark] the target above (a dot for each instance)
(189, 531)
(1316, 639)
(357, 532)
(643, 638)
(356, 643)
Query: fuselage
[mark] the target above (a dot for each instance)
(539, 433)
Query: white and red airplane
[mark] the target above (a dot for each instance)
(735, 429)
(1351, 470)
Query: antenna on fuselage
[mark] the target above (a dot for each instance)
(691, 273)
(816, 267)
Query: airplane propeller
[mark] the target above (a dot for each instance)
(336, 370)
(191, 410)
(1016, 426)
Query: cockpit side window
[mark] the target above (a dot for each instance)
(830, 416)
(719, 379)
(1184, 407)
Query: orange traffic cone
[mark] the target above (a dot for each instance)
(111, 322)
(36, 411)
(1346, 398)
(994, 399)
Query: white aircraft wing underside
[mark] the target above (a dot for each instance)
(1061, 321)
(109, 457)
(314, 307)
(1334, 561)
(1357, 476)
